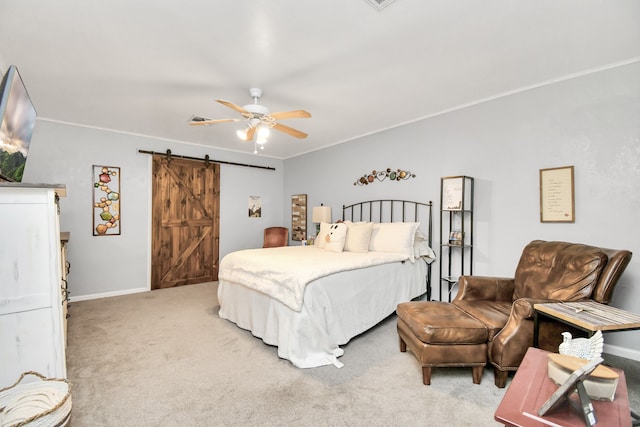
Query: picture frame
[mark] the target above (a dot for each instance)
(255, 207)
(452, 193)
(456, 238)
(299, 217)
(572, 384)
(106, 201)
(557, 199)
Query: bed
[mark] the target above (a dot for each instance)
(310, 300)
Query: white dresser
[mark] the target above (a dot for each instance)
(32, 329)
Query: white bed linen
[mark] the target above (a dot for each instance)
(282, 273)
(335, 309)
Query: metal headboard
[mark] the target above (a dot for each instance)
(390, 210)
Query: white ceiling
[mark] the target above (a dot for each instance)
(145, 67)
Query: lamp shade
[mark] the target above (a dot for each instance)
(321, 214)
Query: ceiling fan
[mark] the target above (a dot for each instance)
(260, 121)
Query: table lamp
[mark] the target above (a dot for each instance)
(321, 214)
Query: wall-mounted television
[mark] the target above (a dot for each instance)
(18, 117)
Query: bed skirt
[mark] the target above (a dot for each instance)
(336, 308)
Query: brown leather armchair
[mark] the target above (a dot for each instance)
(546, 272)
(275, 237)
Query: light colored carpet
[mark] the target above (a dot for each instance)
(165, 358)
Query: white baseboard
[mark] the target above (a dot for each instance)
(107, 294)
(627, 353)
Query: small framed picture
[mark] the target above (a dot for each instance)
(456, 237)
(574, 383)
(255, 207)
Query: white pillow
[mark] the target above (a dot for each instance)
(358, 236)
(420, 236)
(421, 248)
(335, 237)
(320, 238)
(396, 237)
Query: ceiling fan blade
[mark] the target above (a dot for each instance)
(197, 121)
(295, 114)
(250, 132)
(291, 131)
(233, 106)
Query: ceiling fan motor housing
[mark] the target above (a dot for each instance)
(256, 109)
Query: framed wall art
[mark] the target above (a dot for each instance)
(452, 192)
(255, 207)
(557, 203)
(299, 217)
(106, 201)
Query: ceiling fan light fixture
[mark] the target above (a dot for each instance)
(242, 134)
(263, 132)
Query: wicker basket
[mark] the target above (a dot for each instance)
(36, 402)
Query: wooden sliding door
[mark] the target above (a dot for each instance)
(186, 220)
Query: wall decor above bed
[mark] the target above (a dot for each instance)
(393, 175)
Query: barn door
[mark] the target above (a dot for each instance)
(185, 224)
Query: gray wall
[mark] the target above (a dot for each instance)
(591, 122)
(112, 265)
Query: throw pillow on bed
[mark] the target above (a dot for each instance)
(335, 237)
(358, 235)
(322, 235)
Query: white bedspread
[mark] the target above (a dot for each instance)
(336, 308)
(283, 273)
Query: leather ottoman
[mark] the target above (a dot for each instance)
(441, 335)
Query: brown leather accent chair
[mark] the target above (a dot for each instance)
(546, 272)
(275, 237)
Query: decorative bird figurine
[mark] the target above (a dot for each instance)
(585, 348)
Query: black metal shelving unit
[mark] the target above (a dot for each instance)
(456, 231)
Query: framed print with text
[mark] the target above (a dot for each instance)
(557, 203)
(452, 193)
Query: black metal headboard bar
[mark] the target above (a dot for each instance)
(385, 213)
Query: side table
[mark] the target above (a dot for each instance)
(589, 316)
(531, 387)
